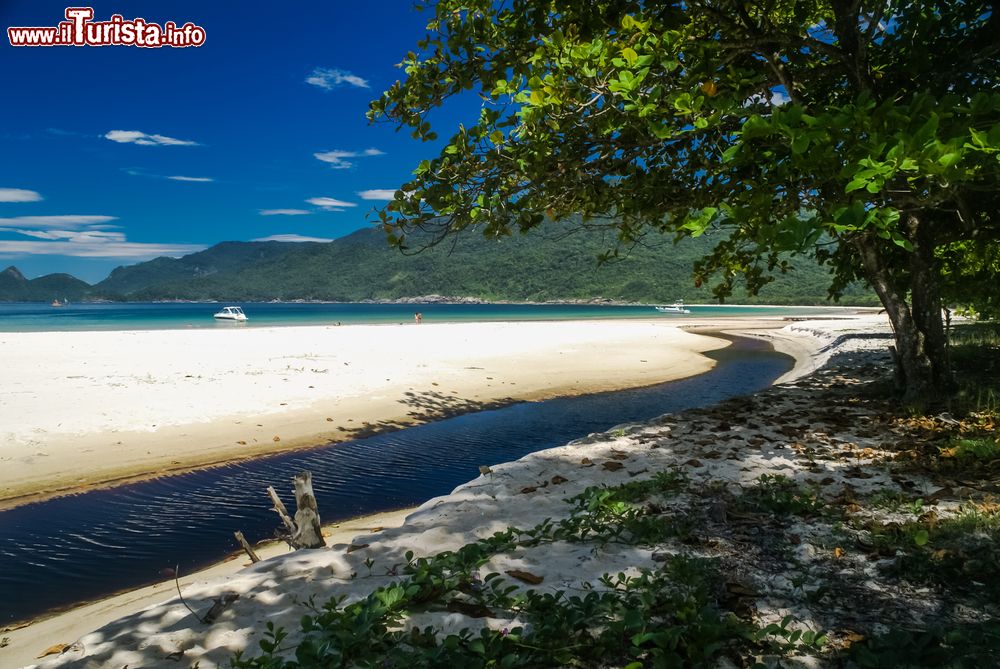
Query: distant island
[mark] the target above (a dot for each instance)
(557, 266)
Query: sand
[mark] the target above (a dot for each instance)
(521, 494)
(23, 643)
(79, 409)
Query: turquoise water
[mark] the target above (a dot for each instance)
(160, 316)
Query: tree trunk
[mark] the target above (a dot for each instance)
(926, 303)
(304, 530)
(920, 353)
(309, 533)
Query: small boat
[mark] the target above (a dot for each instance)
(57, 303)
(675, 308)
(231, 314)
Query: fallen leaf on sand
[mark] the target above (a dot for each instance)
(612, 466)
(329, 420)
(469, 609)
(693, 463)
(54, 650)
(741, 590)
(619, 455)
(241, 443)
(356, 547)
(525, 576)
(528, 489)
(276, 438)
(838, 552)
(587, 462)
(852, 638)
(557, 480)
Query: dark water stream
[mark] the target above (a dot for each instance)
(78, 548)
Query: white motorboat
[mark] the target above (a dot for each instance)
(675, 308)
(231, 314)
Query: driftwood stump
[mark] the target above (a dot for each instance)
(246, 546)
(304, 530)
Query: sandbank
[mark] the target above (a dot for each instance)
(83, 409)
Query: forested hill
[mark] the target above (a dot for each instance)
(543, 266)
(14, 287)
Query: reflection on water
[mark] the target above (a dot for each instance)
(76, 548)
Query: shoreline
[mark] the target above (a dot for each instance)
(78, 619)
(70, 623)
(647, 352)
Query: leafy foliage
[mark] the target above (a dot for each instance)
(780, 495)
(958, 647)
(819, 128)
(671, 616)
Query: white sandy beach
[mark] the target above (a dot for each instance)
(85, 408)
(152, 634)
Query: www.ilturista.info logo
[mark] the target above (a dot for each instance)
(79, 29)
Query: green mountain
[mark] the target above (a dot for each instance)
(558, 262)
(14, 287)
(224, 258)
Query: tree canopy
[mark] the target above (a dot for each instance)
(865, 133)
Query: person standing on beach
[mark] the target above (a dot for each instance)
(417, 317)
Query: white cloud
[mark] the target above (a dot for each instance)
(329, 78)
(80, 236)
(18, 195)
(68, 221)
(72, 235)
(197, 179)
(291, 238)
(338, 157)
(377, 194)
(778, 98)
(330, 204)
(97, 248)
(284, 212)
(141, 172)
(136, 137)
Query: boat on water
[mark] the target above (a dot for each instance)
(675, 308)
(231, 314)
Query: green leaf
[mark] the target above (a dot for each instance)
(630, 56)
(921, 538)
(949, 159)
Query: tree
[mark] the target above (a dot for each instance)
(865, 133)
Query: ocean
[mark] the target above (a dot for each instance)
(174, 316)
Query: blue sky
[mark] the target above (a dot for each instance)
(113, 155)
